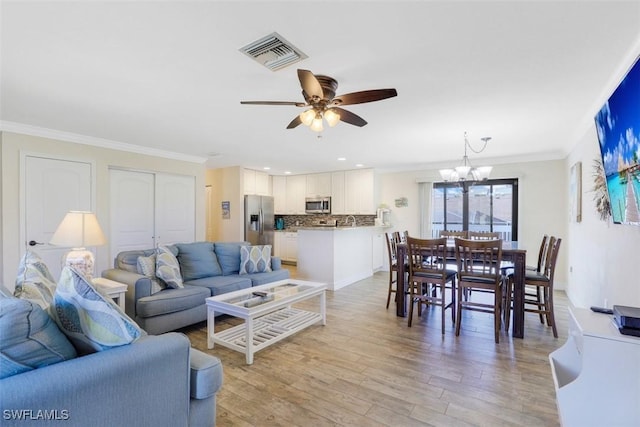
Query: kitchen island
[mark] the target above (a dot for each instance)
(338, 256)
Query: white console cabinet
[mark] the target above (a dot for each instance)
(597, 373)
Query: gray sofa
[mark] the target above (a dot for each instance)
(207, 268)
(156, 381)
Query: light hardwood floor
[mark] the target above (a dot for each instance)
(367, 368)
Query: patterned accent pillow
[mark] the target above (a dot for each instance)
(167, 268)
(255, 259)
(146, 265)
(34, 282)
(91, 321)
(29, 339)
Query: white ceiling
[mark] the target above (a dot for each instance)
(168, 75)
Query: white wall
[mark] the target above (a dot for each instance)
(604, 257)
(543, 204)
(13, 144)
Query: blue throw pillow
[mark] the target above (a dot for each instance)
(255, 259)
(29, 339)
(198, 260)
(91, 321)
(229, 256)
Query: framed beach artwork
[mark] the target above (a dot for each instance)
(575, 189)
(618, 127)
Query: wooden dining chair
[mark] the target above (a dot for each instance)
(538, 297)
(479, 270)
(429, 276)
(542, 252)
(392, 242)
(451, 234)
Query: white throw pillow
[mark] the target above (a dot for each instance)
(255, 259)
(146, 265)
(168, 268)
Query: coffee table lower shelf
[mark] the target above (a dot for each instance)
(266, 330)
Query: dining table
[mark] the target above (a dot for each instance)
(511, 252)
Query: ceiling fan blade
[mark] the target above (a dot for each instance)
(349, 117)
(310, 85)
(295, 122)
(364, 96)
(297, 104)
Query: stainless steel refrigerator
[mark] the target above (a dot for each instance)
(258, 220)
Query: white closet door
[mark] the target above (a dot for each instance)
(175, 209)
(52, 187)
(132, 211)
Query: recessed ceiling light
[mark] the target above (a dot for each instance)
(359, 165)
(342, 159)
(266, 168)
(287, 172)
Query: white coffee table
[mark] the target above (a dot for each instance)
(268, 313)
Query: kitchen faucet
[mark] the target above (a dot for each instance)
(353, 223)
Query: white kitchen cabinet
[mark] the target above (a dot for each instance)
(296, 189)
(318, 184)
(256, 182)
(288, 246)
(278, 244)
(378, 251)
(337, 193)
(279, 190)
(359, 192)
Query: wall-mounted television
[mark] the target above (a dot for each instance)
(618, 127)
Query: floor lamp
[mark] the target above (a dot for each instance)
(78, 230)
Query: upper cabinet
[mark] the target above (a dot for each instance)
(359, 187)
(296, 190)
(279, 190)
(319, 184)
(256, 182)
(337, 193)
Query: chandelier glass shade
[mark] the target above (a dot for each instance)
(313, 118)
(466, 172)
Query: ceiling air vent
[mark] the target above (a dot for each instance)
(273, 51)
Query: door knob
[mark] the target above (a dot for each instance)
(33, 243)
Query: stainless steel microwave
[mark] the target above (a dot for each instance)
(315, 205)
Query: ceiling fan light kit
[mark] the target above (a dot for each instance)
(319, 93)
(466, 172)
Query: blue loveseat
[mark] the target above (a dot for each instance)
(207, 268)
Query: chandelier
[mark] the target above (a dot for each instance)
(466, 172)
(313, 117)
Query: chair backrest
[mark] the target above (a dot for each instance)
(483, 235)
(552, 258)
(542, 253)
(450, 234)
(479, 258)
(427, 258)
(392, 243)
(403, 236)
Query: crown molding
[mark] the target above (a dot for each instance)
(96, 142)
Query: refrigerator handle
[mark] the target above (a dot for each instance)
(260, 223)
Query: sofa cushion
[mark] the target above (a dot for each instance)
(171, 301)
(92, 321)
(146, 266)
(34, 282)
(128, 260)
(268, 277)
(198, 260)
(222, 284)
(206, 374)
(29, 339)
(255, 259)
(229, 256)
(168, 268)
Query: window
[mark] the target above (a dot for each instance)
(490, 205)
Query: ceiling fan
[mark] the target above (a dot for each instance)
(319, 93)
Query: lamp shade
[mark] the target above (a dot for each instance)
(78, 229)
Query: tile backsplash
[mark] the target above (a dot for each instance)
(293, 221)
